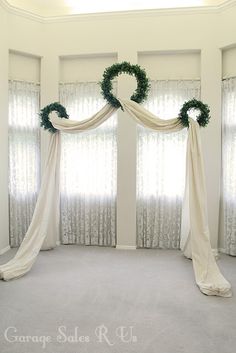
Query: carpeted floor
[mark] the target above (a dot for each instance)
(115, 301)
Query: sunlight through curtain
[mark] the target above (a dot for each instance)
(88, 171)
(229, 164)
(161, 168)
(24, 156)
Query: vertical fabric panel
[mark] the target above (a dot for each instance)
(88, 172)
(161, 168)
(24, 156)
(229, 164)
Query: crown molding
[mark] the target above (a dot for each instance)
(117, 14)
(19, 12)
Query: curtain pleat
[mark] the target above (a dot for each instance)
(229, 164)
(161, 168)
(88, 172)
(24, 157)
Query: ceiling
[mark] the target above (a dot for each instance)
(50, 8)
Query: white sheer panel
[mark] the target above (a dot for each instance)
(161, 168)
(229, 163)
(88, 172)
(24, 156)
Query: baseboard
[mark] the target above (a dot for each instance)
(222, 250)
(216, 254)
(4, 250)
(126, 247)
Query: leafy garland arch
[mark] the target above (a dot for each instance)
(139, 96)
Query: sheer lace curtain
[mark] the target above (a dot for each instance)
(88, 172)
(229, 164)
(161, 168)
(24, 156)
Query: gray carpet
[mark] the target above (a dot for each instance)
(152, 291)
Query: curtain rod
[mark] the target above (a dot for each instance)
(228, 77)
(162, 80)
(24, 81)
(115, 81)
(71, 82)
(177, 79)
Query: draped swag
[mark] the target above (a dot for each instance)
(229, 164)
(24, 156)
(88, 187)
(161, 167)
(195, 238)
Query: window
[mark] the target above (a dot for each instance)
(161, 168)
(88, 171)
(24, 156)
(229, 163)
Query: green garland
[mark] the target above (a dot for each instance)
(202, 119)
(111, 72)
(44, 115)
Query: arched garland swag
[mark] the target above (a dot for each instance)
(139, 96)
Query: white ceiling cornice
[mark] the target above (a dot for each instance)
(104, 15)
(23, 13)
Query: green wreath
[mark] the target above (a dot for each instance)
(202, 119)
(44, 115)
(111, 72)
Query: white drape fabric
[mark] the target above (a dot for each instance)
(44, 227)
(195, 234)
(207, 274)
(229, 164)
(161, 167)
(88, 187)
(24, 157)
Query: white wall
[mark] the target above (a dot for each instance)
(172, 65)
(24, 67)
(84, 68)
(129, 35)
(229, 62)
